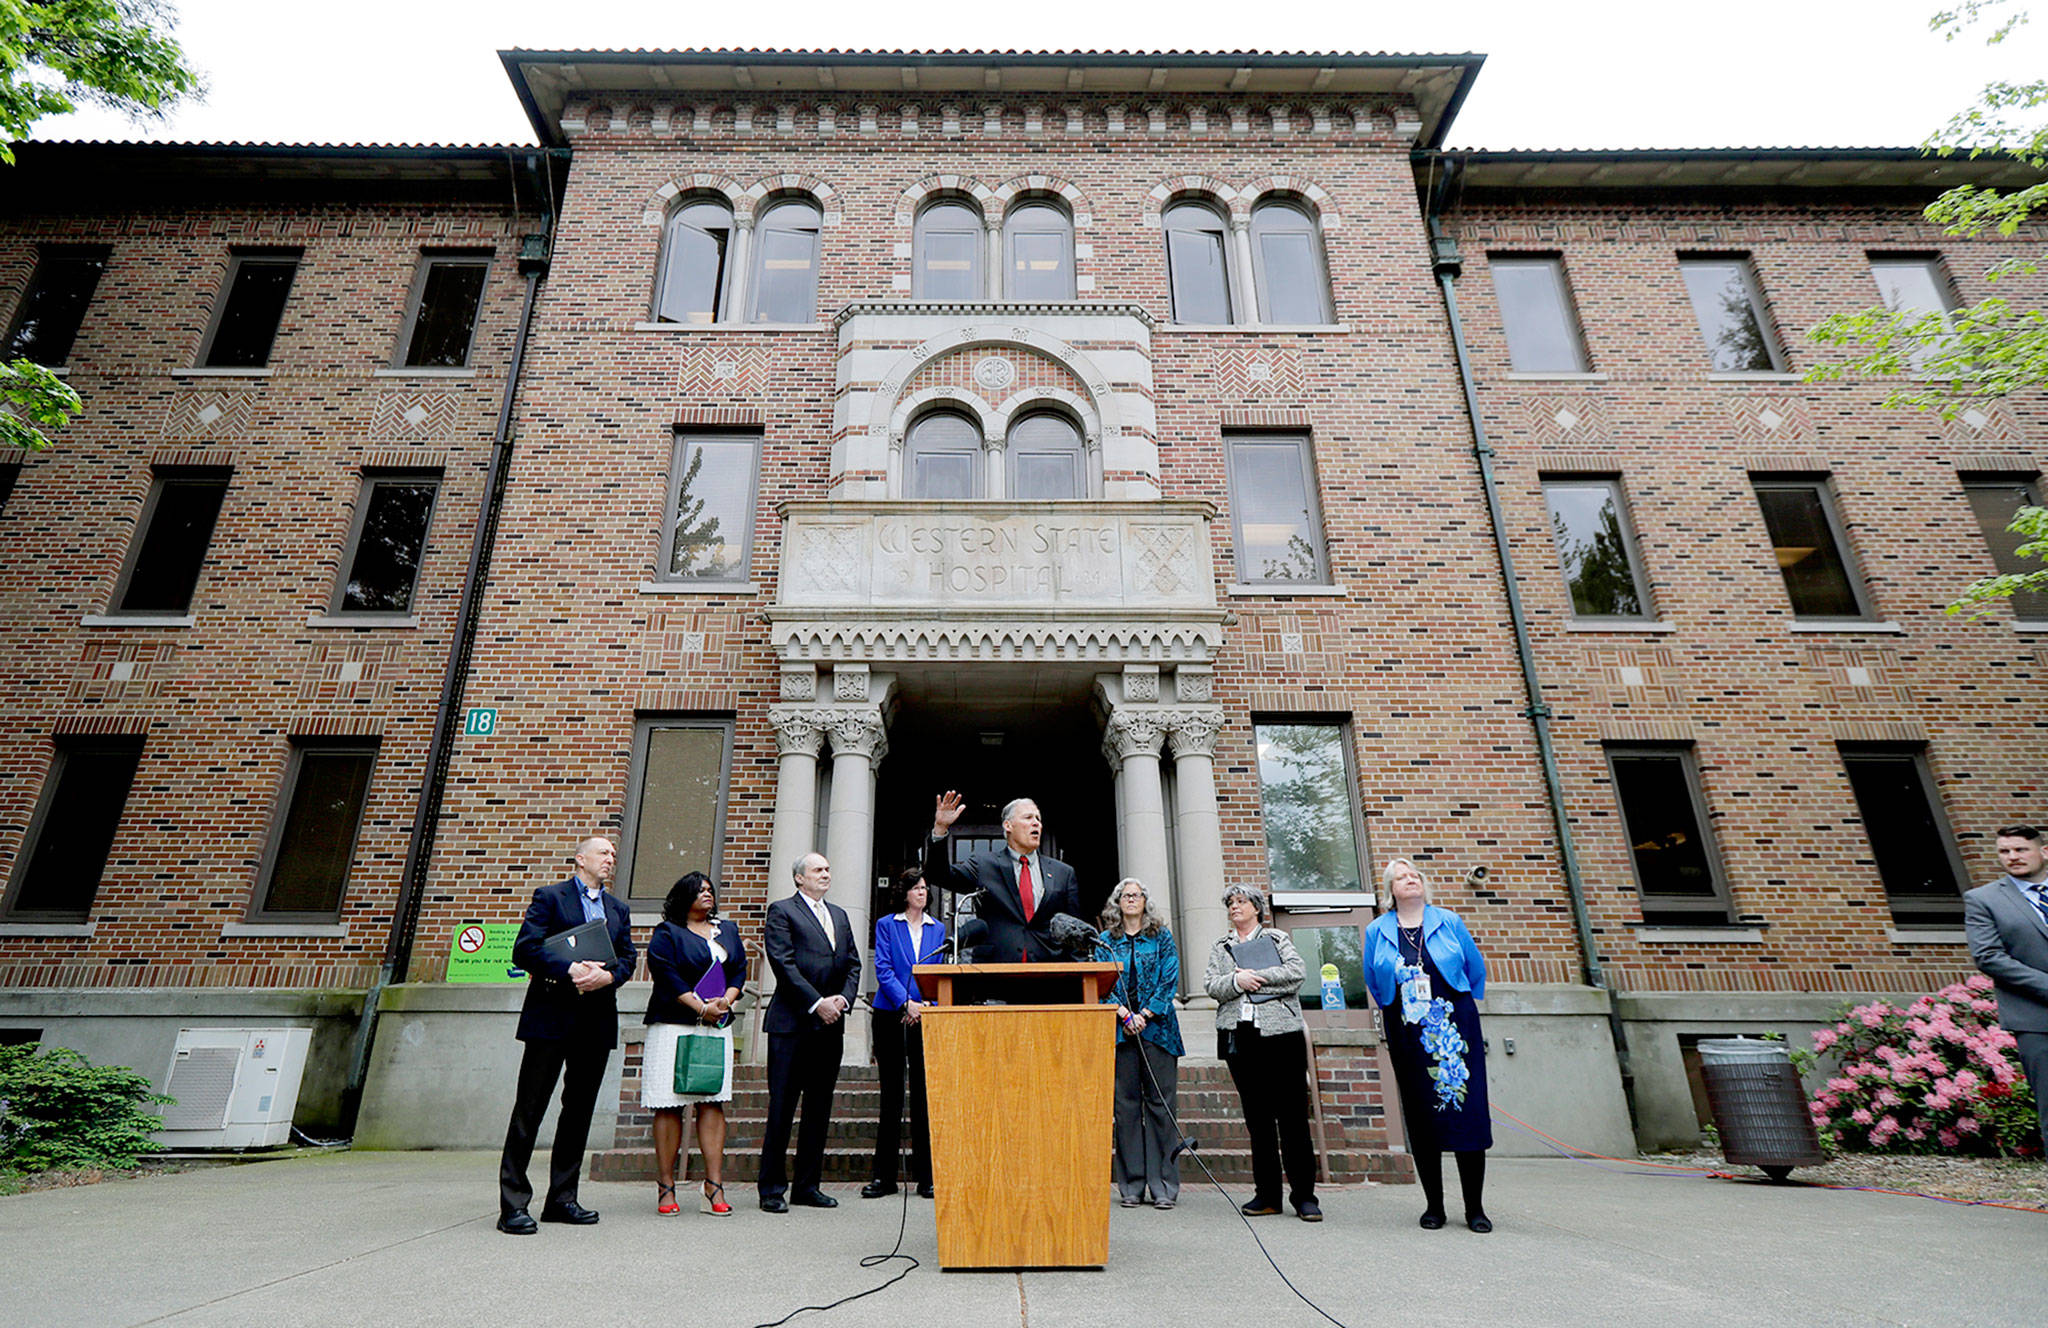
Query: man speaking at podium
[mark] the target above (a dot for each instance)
(1021, 892)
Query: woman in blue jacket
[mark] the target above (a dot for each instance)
(1134, 935)
(902, 942)
(1426, 973)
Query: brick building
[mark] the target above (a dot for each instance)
(1189, 442)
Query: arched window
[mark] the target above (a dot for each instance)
(694, 278)
(947, 249)
(1038, 253)
(942, 457)
(1197, 262)
(1287, 264)
(785, 285)
(1046, 460)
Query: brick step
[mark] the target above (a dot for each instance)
(843, 1163)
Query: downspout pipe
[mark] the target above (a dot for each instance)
(533, 266)
(1446, 263)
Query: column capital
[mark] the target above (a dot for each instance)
(1130, 733)
(857, 733)
(1192, 730)
(798, 730)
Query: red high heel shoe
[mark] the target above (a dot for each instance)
(713, 1201)
(665, 1197)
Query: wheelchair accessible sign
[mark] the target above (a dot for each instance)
(482, 952)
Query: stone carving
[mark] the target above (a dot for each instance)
(1141, 682)
(994, 372)
(1194, 684)
(1194, 637)
(857, 733)
(1127, 735)
(800, 684)
(1166, 557)
(797, 731)
(828, 559)
(1193, 732)
(850, 682)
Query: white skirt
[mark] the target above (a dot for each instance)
(658, 1066)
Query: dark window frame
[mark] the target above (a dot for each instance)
(2036, 602)
(280, 821)
(236, 260)
(10, 478)
(162, 478)
(664, 568)
(1568, 306)
(1859, 589)
(1311, 226)
(63, 748)
(1717, 909)
(409, 329)
(1171, 221)
(757, 259)
(1325, 575)
(1013, 226)
(371, 478)
(644, 726)
(920, 255)
(1759, 306)
(721, 297)
(1950, 905)
(1368, 884)
(1631, 547)
(47, 256)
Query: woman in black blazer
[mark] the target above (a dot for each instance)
(688, 943)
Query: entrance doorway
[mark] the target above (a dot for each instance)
(995, 732)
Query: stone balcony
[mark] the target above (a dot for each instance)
(993, 579)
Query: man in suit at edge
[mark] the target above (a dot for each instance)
(2006, 923)
(810, 945)
(1022, 890)
(569, 1023)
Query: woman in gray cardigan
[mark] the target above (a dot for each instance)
(1260, 1033)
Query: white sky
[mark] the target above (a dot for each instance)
(1562, 74)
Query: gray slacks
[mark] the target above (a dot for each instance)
(1145, 1133)
(2033, 1053)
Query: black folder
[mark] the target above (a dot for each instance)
(592, 941)
(1257, 953)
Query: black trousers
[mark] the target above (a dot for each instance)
(580, 1067)
(801, 1067)
(1271, 1074)
(898, 1045)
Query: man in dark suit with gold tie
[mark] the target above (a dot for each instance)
(810, 946)
(1021, 890)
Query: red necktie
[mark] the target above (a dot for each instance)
(1024, 886)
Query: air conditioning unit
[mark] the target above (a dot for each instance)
(235, 1087)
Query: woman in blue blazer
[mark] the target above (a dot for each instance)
(1426, 974)
(902, 942)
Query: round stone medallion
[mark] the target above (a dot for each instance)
(995, 373)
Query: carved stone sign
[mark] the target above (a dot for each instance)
(1028, 554)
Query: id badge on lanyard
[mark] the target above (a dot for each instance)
(1415, 992)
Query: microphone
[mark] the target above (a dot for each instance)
(1072, 935)
(971, 935)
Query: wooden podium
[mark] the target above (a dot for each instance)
(1020, 1102)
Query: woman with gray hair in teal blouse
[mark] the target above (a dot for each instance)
(1148, 1045)
(1264, 1041)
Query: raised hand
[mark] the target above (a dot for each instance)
(948, 809)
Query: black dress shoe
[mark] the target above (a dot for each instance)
(1260, 1208)
(875, 1189)
(816, 1199)
(1432, 1222)
(774, 1203)
(1480, 1223)
(924, 1191)
(569, 1211)
(518, 1222)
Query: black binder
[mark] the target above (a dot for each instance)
(592, 941)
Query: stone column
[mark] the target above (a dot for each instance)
(1198, 836)
(1131, 742)
(736, 262)
(994, 228)
(858, 742)
(798, 739)
(1246, 290)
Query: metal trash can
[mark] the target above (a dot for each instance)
(1759, 1108)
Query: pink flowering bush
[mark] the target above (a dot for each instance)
(1939, 1076)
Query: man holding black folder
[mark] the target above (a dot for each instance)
(569, 1023)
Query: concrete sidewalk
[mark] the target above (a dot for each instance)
(407, 1238)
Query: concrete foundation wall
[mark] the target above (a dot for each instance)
(139, 1027)
(1562, 1077)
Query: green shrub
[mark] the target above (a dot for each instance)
(58, 1111)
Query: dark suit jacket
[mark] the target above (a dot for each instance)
(806, 967)
(1010, 939)
(2009, 940)
(554, 1008)
(677, 958)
